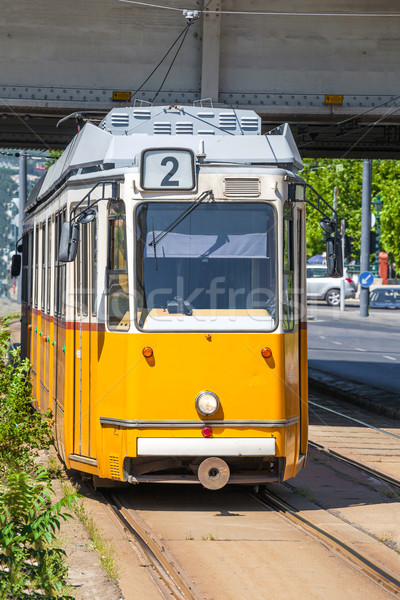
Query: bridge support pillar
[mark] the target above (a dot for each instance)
(211, 52)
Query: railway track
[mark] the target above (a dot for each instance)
(173, 581)
(347, 434)
(169, 577)
(362, 563)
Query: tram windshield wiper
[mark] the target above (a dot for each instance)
(179, 219)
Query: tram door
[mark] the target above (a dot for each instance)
(291, 306)
(84, 340)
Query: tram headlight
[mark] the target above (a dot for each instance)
(207, 403)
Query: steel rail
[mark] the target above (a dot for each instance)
(335, 412)
(358, 465)
(169, 573)
(360, 562)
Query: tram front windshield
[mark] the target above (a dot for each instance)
(214, 271)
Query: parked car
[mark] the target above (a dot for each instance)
(385, 297)
(322, 287)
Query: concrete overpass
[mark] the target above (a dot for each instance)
(330, 69)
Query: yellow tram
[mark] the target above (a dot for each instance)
(164, 307)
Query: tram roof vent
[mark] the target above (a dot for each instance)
(227, 120)
(185, 127)
(142, 113)
(163, 127)
(242, 187)
(120, 119)
(250, 124)
(206, 115)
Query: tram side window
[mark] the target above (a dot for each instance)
(93, 234)
(43, 294)
(30, 261)
(36, 265)
(56, 263)
(288, 269)
(25, 266)
(118, 316)
(84, 270)
(60, 271)
(48, 265)
(63, 274)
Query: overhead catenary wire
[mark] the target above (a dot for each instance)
(348, 120)
(368, 131)
(267, 13)
(363, 135)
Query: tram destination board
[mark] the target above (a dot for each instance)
(167, 169)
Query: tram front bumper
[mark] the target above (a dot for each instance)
(206, 446)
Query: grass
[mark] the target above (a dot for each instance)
(386, 537)
(102, 546)
(210, 536)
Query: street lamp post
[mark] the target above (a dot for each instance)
(378, 203)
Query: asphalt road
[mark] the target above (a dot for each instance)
(362, 349)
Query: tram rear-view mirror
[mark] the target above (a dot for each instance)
(86, 216)
(328, 225)
(334, 258)
(69, 241)
(15, 265)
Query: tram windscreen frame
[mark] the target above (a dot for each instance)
(216, 271)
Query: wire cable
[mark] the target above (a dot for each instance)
(267, 13)
(183, 32)
(368, 131)
(172, 62)
(347, 120)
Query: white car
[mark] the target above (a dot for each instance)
(322, 287)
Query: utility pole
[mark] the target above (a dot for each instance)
(22, 184)
(342, 282)
(365, 230)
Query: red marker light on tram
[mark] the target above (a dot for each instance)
(206, 431)
(266, 352)
(147, 352)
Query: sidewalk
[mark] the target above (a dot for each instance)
(9, 306)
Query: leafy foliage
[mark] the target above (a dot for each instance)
(325, 174)
(53, 156)
(31, 564)
(23, 431)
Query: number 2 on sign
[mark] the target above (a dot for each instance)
(167, 180)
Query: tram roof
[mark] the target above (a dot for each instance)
(226, 136)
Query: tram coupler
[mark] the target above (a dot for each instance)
(213, 473)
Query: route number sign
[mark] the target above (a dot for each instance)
(167, 169)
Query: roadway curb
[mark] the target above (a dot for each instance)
(375, 399)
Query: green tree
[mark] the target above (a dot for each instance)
(326, 174)
(386, 184)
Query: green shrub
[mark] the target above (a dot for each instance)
(23, 431)
(31, 564)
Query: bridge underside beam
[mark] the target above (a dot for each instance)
(330, 69)
(347, 135)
